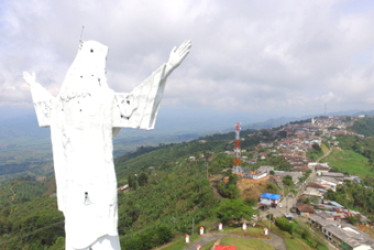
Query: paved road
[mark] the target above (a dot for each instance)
(275, 241)
(291, 199)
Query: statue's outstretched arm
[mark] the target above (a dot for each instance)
(43, 100)
(176, 56)
(139, 108)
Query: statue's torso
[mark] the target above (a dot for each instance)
(82, 147)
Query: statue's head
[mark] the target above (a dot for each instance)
(91, 56)
(87, 71)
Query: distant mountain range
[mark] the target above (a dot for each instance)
(23, 143)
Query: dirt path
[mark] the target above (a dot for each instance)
(275, 241)
(13, 197)
(12, 191)
(325, 155)
(213, 184)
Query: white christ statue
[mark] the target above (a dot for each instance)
(84, 117)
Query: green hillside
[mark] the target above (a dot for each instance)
(364, 126)
(170, 195)
(348, 161)
(354, 156)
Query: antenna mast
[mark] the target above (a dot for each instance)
(237, 169)
(80, 38)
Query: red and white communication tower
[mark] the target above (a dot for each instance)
(237, 169)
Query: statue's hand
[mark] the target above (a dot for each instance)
(29, 78)
(178, 54)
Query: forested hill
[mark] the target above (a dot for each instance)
(170, 195)
(164, 156)
(364, 126)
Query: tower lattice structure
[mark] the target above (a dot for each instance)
(237, 169)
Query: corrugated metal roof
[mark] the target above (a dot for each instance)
(271, 196)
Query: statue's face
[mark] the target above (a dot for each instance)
(87, 71)
(91, 58)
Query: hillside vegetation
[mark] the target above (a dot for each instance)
(348, 161)
(174, 189)
(364, 126)
(170, 195)
(355, 156)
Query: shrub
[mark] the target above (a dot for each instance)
(284, 224)
(233, 210)
(148, 239)
(162, 235)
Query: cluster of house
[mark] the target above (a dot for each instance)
(296, 140)
(327, 216)
(293, 147)
(326, 180)
(264, 172)
(339, 233)
(315, 190)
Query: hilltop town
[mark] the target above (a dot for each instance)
(305, 178)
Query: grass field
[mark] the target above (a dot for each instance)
(244, 244)
(208, 246)
(292, 242)
(251, 231)
(296, 244)
(324, 148)
(350, 162)
(179, 243)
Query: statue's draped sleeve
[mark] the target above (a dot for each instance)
(43, 103)
(138, 109)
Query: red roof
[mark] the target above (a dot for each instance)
(218, 247)
(315, 185)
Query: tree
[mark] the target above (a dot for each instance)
(233, 210)
(228, 190)
(271, 188)
(162, 235)
(5, 225)
(233, 179)
(287, 180)
(59, 244)
(354, 219)
(131, 180)
(284, 224)
(316, 147)
(143, 179)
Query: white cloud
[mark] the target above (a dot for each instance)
(272, 57)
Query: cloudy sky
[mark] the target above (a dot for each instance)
(254, 58)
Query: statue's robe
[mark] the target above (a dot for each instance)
(83, 118)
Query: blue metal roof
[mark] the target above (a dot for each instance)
(271, 196)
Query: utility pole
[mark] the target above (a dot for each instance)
(207, 170)
(193, 225)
